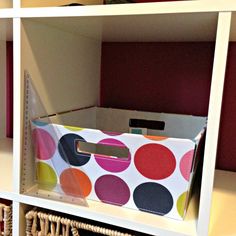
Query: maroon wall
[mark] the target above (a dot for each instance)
(170, 77)
(160, 77)
(9, 91)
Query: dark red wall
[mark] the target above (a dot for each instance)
(170, 77)
(160, 77)
(9, 91)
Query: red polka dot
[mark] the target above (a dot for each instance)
(75, 182)
(186, 164)
(155, 161)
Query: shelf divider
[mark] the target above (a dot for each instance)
(214, 111)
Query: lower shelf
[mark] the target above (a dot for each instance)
(123, 217)
(223, 213)
(6, 174)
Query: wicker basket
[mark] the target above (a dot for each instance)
(44, 224)
(5, 220)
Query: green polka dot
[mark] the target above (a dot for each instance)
(181, 203)
(46, 176)
(73, 128)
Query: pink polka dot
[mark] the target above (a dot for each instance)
(43, 143)
(186, 164)
(113, 164)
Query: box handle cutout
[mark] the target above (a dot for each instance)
(103, 149)
(148, 124)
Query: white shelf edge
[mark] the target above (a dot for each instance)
(196, 6)
(214, 112)
(121, 9)
(8, 13)
(122, 217)
(7, 195)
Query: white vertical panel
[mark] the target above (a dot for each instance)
(18, 218)
(217, 85)
(16, 3)
(18, 108)
(15, 218)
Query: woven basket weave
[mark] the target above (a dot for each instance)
(44, 224)
(5, 220)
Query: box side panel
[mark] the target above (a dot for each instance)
(177, 126)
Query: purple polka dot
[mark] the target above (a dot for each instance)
(186, 164)
(112, 189)
(44, 144)
(113, 164)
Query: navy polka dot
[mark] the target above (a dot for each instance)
(68, 150)
(153, 197)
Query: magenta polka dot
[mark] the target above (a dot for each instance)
(111, 133)
(113, 164)
(186, 164)
(112, 189)
(44, 144)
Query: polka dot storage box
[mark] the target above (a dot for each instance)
(140, 160)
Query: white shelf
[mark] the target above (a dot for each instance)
(123, 217)
(223, 213)
(132, 9)
(6, 170)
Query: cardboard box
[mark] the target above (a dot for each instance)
(56, 3)
(151, 172)
(136, 1)
(5, 3)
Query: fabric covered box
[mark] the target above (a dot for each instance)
(56, 3)
(41, 222)
(135, 1)
(5, 218)
(149, 169)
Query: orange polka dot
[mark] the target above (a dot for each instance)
(75, 182)
(155, 138)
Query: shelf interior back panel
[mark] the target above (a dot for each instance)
(64, 67)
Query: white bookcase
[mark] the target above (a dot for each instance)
(49, 43)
